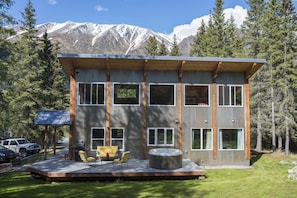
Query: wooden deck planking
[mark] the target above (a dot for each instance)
(67, 170)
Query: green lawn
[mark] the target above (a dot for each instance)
(266, 179)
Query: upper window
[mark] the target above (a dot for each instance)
(230, 95)
(117, 138)
(97, 137)
(202, 139)
(160, 137)
(197, 95)
(126, 94)
(90, 93)
(231, 139)
(161, 94)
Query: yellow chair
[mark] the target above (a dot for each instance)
(83, 156)
(124, 159)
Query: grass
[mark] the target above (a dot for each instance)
(267, 179)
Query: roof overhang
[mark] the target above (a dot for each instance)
(70, 62)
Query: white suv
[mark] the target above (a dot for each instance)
(21, 146)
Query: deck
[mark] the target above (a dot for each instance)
(59, 169)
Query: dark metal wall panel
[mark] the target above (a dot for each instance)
(90, 75)
(126, 76)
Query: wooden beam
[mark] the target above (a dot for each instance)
(54, 139)
(214, 119)
(144, 106)
(179, 109)
(249, 73)
(72, 115)
(181, 69)
(216, 72)
(107, 113)
(247, 119)
(45, 143)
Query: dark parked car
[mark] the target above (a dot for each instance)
(6, 155)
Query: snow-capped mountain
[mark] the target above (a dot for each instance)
(90, 38)
(95, 38)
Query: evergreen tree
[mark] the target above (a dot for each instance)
(218, 30)
(27, 69)
(5, 52)
(152, 46)
(287, 70)
(233, 43)
(162, 49)
(199, 45)
(55, 93)
(175, 50)
(252, 30)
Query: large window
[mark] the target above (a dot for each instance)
(90, 93)
(117, 138)
(97, 137)
(231, 139)
(160, 137)
(197, 95)
(161, 94)
(126, 94)
(202, 139)
(230, 95)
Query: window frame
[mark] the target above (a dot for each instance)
(155, 129)
(201, 139)
(230, 96)
(161, 84)
(242, 143)
(120, 83)
(92, 139)
(123, 138)
(191, 105)
(91, 94)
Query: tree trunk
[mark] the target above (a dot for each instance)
(259, 134)
(280, 143)
(287, 141)
(273, 122)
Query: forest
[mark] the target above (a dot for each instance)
(31, 77)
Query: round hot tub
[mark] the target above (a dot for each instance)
(165, 158)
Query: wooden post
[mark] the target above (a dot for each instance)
(247, 119)
(45, 143)
(144, 105)
(179, 107)
(72, 116)
(107, 121)
(54, 139)
(214, 119)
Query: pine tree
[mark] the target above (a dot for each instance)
(218, 29)
(233, 44)
(252, 30)
(25, 95)
(5, 55)
(174, 50)
(162, 49)
(287, 70)
(55, 94)
(151, 46)
(199, 45)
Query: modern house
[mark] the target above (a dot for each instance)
(199, 105)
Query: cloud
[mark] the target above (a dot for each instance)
(52, 2)
(99, 8)
(182, 31)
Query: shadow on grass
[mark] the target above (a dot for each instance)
(19, 184)
(256, 155)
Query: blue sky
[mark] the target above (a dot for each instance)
(157, 15)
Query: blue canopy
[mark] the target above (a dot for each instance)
(52, 117)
